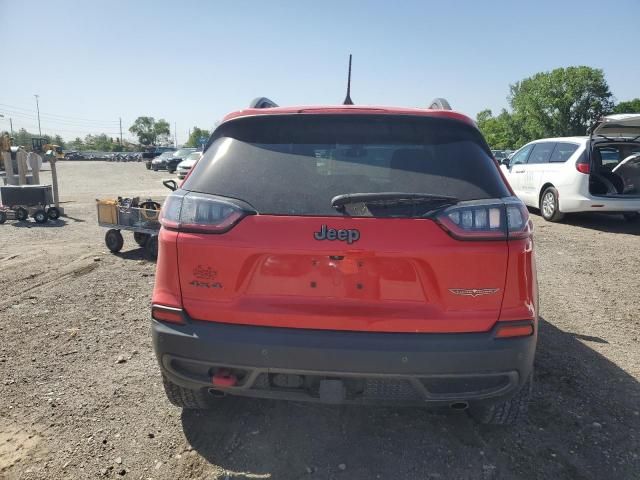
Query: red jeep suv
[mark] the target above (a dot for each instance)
(347, 254)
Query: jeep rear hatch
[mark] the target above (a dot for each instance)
(359, 222)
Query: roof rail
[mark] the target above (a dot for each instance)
(262, 102)
(439, 104)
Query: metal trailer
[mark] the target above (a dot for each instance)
(21, 201)
(143, 222)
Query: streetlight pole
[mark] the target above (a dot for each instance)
(38, 108)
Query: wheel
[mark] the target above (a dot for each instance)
(186, 397)
(140, 238)
(114, 240)
(53, 213)
(170, 171)
(507, 412)
(21, 214)
(154, 168)
(40, 216)
(148, 166)
(549, 205)
(632, 217)
(151, 247)
(3, 217)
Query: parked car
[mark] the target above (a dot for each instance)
(598, 173)
(356, 256)
(499, 154)
(170, 163)
(186, 165)
(152, 152)
(160, 162)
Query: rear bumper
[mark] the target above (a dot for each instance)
(579, 203)
(344, 367)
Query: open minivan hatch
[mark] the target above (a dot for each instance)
(615, 156)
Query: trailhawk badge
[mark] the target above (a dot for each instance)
(473, 292)
(343, 235)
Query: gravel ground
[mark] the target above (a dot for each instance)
(82, 397)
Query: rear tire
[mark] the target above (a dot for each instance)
(632, 217)
(21, 214)
(151, 247)
(549, 208)
(3, 217)
(53, 213)
(507, 412)
(114, 241)
(185, 397)
(40, 216)
(140, 238)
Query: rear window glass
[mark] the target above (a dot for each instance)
(295, 164)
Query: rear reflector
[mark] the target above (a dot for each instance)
(167, 314)
(486, 220)
(519, 330)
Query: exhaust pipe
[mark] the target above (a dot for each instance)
(459, 406)
(217, 393)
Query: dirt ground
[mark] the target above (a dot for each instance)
(82, 397)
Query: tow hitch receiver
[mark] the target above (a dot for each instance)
(224, 378)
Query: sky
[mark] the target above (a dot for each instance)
(190, 62)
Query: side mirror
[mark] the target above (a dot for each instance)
(505, 162)
(170, 184)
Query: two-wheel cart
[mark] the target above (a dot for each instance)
(21, 201)
(141, 218)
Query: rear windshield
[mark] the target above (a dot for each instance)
(295, 164)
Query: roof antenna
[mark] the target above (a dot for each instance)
(347, 100)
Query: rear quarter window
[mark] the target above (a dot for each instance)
(295, 164)
(563, 152)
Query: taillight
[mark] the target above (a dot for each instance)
(582, 164)
(486, 220)
(199, 212)
(583, 168)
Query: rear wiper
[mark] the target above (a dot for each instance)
(391, 198)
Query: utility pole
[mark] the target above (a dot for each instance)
(10, 123)
(120, 131)
(38, 108)
(175, 135)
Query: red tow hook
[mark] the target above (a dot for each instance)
(224, 378)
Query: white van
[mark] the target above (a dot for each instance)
(600, 172)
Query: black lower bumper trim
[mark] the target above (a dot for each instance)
(367, 367)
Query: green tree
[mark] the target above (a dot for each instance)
(631, 106)
(563, 102)
(194, 138)
(58, 140)
(76, 144)
(149, 131)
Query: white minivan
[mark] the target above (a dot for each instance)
(600, 172)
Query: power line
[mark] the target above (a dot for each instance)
(56, 115)
(14, 114)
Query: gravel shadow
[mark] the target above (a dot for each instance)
(583, 424)
(60, 222)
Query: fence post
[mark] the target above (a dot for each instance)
(21, 156)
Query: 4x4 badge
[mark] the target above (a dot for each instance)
(473, 292)
(343, 235)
